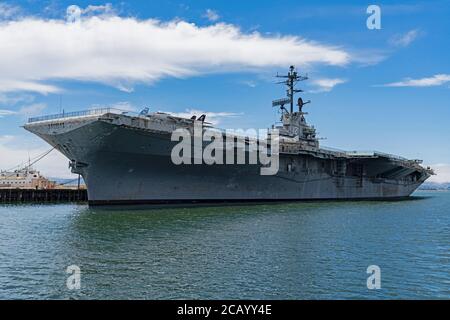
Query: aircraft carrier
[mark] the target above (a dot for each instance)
(125, 159)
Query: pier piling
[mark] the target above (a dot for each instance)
(49, 195)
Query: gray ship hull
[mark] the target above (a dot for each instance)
(126, 162)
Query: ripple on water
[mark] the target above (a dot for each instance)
(296, 251)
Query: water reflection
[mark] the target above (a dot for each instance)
(276, 251)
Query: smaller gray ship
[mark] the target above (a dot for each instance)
(126, 159)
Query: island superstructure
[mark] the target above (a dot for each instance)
(126, 159)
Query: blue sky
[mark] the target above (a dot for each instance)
(386, 90)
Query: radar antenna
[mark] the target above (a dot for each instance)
(292, 78)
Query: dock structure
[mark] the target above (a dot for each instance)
(42, 196)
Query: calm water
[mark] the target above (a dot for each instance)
(289, 251)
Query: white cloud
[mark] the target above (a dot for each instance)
(436, 80)
(74, 12)
(442, 171)
(211, 15)
(122, 51)
(5, 139)
(100, 9)
(54, 165)
(33, 109)
(211, 117)
(6, 113)
(326, 84)
(404, 40)
(26, 111)
(8, 11)
(13, 99)
(15, 85)
(249, 83)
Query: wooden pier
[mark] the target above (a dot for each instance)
(42, 196)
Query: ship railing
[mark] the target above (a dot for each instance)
(333, 150)
(391, 156)
(375, 154)
(76, 114)
(365, 154)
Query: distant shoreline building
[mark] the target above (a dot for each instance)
(26, 178)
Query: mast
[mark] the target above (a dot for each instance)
(292, 78)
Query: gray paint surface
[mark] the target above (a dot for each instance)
(126, 159)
